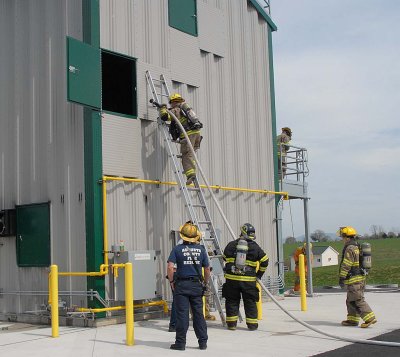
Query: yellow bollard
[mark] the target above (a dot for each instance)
(259, 302)
(129, 304)
(53, 298)
(302, 283)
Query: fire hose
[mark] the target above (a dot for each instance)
(305, 324)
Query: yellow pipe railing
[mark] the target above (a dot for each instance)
(215, 187)
(53, 299)
(302, 283)
(115, 308)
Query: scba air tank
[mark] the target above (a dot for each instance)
(241, 254)
(366, 255)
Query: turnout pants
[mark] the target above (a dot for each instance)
(356, 305)
(189, 293)
(188, 163)
(232, 291)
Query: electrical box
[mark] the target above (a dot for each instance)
(144, 274)
(7, 223)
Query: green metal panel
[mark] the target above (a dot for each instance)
(93, 164)
(93, 199)
(182, 15)
(83, 73)
(33, 235)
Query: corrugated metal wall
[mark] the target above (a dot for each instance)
(226, 80)
(41, 139)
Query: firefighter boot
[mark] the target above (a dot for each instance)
(349, 323)
(231, 325)
(190, 179)
(369, 323)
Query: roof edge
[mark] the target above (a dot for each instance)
(264, 14)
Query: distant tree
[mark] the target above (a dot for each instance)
(391, 234)
(319, 236)
(376, 231)
(290, 240)
(384, 235)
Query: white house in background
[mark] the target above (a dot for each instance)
(323, 256)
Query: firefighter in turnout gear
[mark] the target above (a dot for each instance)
(241, 257)
(297, 252)
(283, 142)
(352, 275)
(192, 126)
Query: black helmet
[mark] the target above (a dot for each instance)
(247, 231)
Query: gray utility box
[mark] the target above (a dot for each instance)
(144, 274)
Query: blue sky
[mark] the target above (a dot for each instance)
(337, 85)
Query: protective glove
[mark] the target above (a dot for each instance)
(163, 113)
(341, 282)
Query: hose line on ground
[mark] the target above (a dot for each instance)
(305, 324)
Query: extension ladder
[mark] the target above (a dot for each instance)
(193, 195)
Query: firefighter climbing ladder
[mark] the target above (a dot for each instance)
(198, 211)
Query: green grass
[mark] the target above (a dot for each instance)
(385, 263)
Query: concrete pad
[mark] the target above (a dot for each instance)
(278, 335)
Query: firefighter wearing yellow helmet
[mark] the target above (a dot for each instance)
(190, 122)
(300, 250)
(352, 277)
(283, 142)
(188, 285)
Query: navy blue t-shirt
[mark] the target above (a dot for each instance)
(185, 265)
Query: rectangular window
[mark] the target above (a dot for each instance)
(182, 15)
(119, 94)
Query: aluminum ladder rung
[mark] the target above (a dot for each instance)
(204, 222)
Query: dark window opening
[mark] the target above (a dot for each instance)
(118, 84)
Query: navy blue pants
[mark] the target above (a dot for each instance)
(189, 293)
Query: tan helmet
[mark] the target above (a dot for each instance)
(347, 231)
(305, 246)
(175, 98)
(288, 130)
(189, 232)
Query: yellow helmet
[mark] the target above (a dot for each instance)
(288, 130)
(346, 232)
(189, 232)
(176, 98)
(305, 245)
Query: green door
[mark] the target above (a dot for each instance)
(83, 73)
(33, 235)
(182, 15)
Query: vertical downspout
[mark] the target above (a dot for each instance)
(93, 164)
(275, 153)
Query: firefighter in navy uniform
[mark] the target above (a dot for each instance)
(189, 285)
(241, 257)
(352, 276)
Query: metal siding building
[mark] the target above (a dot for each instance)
(224, 73)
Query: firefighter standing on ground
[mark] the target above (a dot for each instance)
(188, 285)
(352, 276)
(192, 126)
(241, 257)
(283, 142)
(296, 254)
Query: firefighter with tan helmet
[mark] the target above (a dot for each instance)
(241, 257)
(353, 269)
(296, 255)
(188, 285)
(283, 142)
(190, 122)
